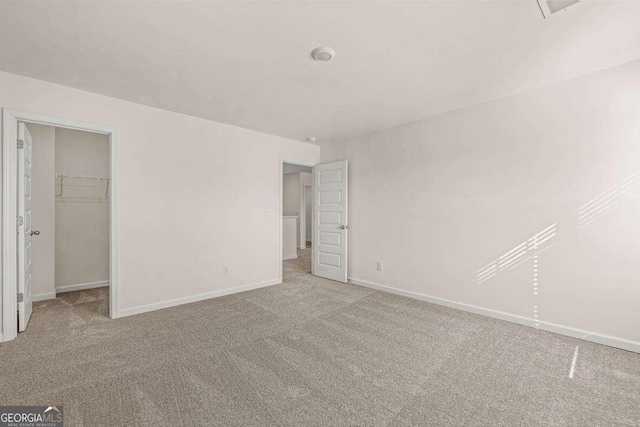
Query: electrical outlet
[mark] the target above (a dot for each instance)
(380, 266)
(225, 270)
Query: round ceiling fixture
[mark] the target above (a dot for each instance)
(323, 54)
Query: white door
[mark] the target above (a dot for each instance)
(24, 226)
(330, 228)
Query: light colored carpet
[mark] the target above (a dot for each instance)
(310, 352)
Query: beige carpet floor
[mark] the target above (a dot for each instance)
(310, 352)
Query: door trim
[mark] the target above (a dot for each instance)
(284, 160)
(10, 119)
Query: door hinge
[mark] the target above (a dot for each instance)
(20, 220)
(20, 144)
(20, 297)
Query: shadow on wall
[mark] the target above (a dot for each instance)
(531, 248)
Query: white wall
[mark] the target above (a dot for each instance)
(82, 225)
(290, 194)
(1, 260)
(439, 199)
(289, 232)
(43, 210)
(82, 153)
(181, 218)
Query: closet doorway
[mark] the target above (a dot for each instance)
(64, 233)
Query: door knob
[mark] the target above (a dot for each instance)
(35, 233)
(343, 227)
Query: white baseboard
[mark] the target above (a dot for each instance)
(194, 298)
(610, 341)
(284, 258)
(81, 286)
(43, 296)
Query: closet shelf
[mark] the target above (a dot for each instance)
(81, 187)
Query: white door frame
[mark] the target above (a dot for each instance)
(284, 160)
(10, 119)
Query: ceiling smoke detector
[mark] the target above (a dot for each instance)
(323, 54)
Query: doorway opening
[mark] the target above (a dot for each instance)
(70, 237)
(319, 191)
(297, 185)
(59, 227)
